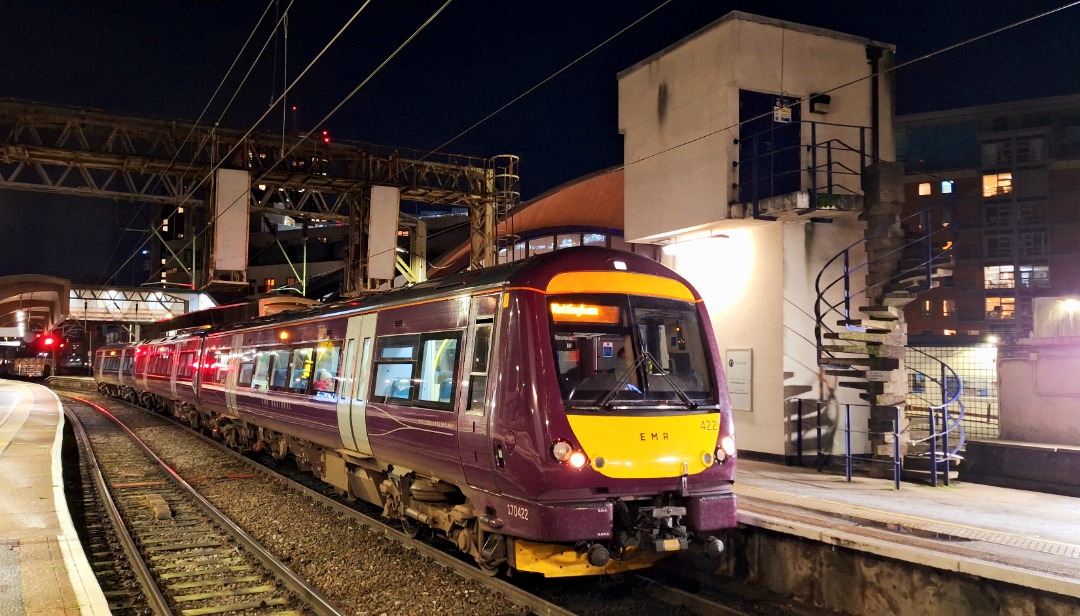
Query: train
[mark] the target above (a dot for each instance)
(565, 414)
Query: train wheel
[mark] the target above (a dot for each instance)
(488, 569)
(410, 527)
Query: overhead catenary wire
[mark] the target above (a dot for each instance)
(325, 118)
(199, 120)
(738, 124)
(271, 107)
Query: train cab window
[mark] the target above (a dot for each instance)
(629, 351)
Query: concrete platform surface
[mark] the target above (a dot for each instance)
(1026, 538)
(43, 569)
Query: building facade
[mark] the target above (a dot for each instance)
(1002, 183)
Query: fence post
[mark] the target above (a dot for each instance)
(820, 455)
(933, 447)
(847, 288)
(945, 442)
(798, 428)
(813, 165)
(847, 442)
(896, 448)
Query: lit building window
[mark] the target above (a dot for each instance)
(927, 308)
(1000, 307)
(924, 189)
(269, 285)
(1034, 276)
(998, 277)
(948, 308)
(949, 332)
(946, 187)
(995, 184)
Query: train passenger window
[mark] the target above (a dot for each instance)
(437, 369)
(217, 366)
(261, 378)
(247, 371)
(300, 369)
(186, 370)
(415, 367)
(393, 381)
(327, 356)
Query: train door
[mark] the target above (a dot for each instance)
(232, 374)
(478, 454)
(356, 378)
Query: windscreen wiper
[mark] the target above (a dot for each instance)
(678, 390)
(624, 381)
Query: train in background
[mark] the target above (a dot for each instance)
(564, 414)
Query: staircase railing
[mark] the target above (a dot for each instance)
(943, 450)
(899, 282)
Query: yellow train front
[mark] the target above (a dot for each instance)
(609, 425)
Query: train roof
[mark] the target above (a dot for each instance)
(533, 272)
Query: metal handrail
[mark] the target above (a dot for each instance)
(951, 409)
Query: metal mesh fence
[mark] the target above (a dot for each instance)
(976, 367)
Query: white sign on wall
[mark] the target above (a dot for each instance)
(739, 371)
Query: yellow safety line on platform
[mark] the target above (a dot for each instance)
(15, 416)
(1034, 544)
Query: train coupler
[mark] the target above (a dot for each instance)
(667, 533)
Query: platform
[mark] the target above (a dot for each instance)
(1029, 539)
(43, 569)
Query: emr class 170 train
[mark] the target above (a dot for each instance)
(565, 414)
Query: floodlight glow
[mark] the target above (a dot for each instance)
(1070, 305)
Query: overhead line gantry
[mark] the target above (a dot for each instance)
(90, 153)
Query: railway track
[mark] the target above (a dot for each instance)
(630, 594)
(189, 559)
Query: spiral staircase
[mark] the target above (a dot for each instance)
(861, 340)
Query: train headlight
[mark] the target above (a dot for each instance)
(578, 459)
(561, 450)
(726, 449)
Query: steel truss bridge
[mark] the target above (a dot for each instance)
(89, 153)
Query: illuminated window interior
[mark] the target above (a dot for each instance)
(995, 184)
(924, 189)
(1000, 307)
(946, 187)
(948, 308)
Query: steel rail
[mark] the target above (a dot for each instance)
(534, 604)
(316, 600)
(150, 588)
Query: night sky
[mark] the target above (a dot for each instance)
(164, 59)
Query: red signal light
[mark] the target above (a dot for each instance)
(326, 136)
(48, 341)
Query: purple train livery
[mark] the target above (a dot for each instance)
(566, 414)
